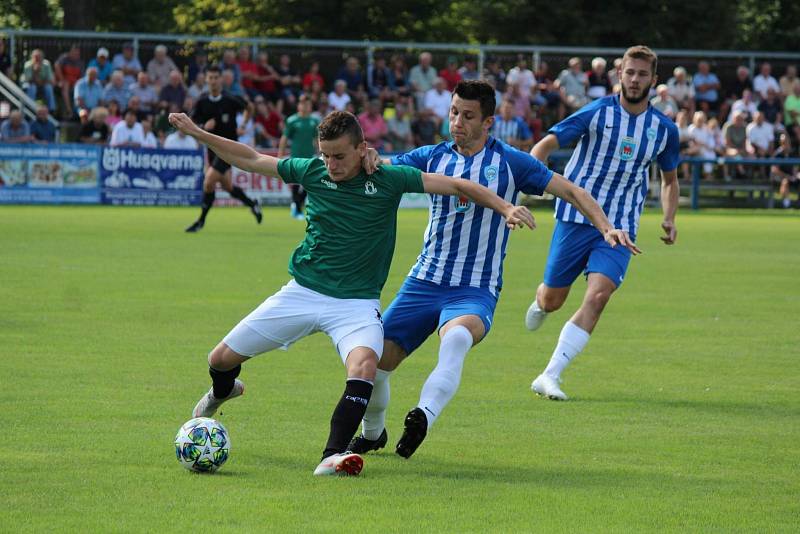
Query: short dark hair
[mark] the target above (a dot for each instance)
(214, 68)
(339, 123)
(642, 52)
(477, 90)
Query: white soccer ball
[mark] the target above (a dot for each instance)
(202, 445)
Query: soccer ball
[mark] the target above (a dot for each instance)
(202, 445)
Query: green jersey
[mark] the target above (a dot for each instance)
(301, 131)
(350, 227)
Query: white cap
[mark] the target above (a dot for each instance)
(102, 52)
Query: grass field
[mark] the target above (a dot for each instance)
(685, 413)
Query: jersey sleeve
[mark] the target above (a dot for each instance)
(530, 175)
(577, 124)
(669, 158)
(408, 178)
(294, 170)
(417, 158)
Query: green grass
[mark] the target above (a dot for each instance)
(685, 413)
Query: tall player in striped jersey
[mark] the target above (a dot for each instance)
(618, 138)
(454, 285)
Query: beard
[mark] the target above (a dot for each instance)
(636, 99)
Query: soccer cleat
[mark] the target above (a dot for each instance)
(546, 386)
(414, 432)
(342, 464)
(534, 317)
(256, 209)
(362, 445)
(209, 404)
(196, 226)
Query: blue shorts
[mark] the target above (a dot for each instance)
(421, 307)
(579, 247)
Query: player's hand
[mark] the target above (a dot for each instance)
(519, 215)
(182, 122)
(671, 231)
(372, 160)
(616, 237)
(210, 125)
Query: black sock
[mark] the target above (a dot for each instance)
(205, 205)
(347, 415)
(223, 380)
(238, 194)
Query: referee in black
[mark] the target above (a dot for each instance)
(216, 112)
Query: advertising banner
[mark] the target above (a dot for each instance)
(49, 174)
(151, 177)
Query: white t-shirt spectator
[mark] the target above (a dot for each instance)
(748, 108)
(760, 136)
(523, 77)
(122, 135)
(763, 84)
(704, 139)
(176, 141)
(338, 102)
(438, 102)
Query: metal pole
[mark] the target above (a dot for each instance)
(481, 59)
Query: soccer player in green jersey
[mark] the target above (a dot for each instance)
(301, 131)
(339, 269)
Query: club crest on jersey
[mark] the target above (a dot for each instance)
(490, 173)
(369, 188)
(462, 204)
(651, 134)
(627, 148)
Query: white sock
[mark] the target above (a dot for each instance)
(570, 343)
(443, 382)
(375, 417)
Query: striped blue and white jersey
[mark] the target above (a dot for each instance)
(465, 244)
(613, 156)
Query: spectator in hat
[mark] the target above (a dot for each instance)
(128, 63)
(102, 64)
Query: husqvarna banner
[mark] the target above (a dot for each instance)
(151, 177)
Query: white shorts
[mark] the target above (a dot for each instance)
(296, 311)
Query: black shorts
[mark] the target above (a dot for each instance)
(217, 163)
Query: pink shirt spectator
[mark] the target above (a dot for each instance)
(374, 127)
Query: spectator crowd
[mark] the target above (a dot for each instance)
(120, 101)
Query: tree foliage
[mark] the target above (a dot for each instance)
(712, 24)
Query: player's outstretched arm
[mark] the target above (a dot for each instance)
(233, 152)
(670, 194)
(588, 206)
(439, 184)
(545, 147)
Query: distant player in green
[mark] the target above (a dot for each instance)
(339, 269)
(301, 131)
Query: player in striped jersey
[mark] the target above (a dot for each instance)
(618, 138)
(454, 285)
